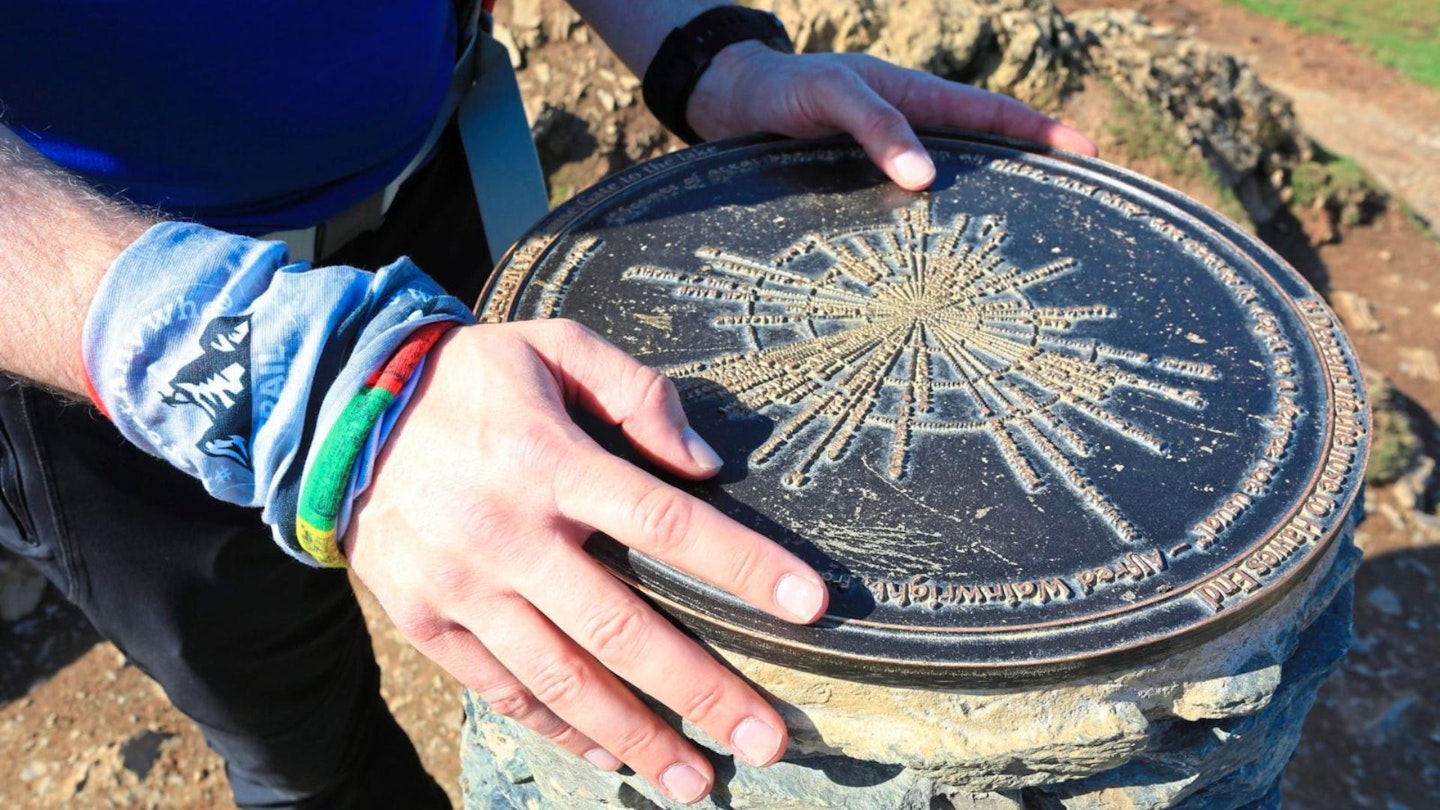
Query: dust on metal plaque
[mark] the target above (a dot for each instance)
(1045, 417)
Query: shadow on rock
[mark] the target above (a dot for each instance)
(1372, 741)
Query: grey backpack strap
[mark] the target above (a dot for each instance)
(504, 167)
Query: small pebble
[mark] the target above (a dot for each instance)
(1386, 601)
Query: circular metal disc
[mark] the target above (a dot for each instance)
(1043, 418)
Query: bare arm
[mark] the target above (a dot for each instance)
(57, 237)
(470, 578)
(634, 30)
(750, 88)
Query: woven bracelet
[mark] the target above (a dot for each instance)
(323, 492)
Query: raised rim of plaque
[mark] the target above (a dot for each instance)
(1047, 418)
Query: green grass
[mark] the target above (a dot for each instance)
(1404, 34)
(1327, 173)
(1394, 443)
(1395, 447)
(1338, 178)
(1144, 132)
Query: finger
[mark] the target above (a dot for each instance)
(574, 686)
(643, 512)
(625, 392)
(931, 101)
(849, 103)
(644, 649)
(463, 656)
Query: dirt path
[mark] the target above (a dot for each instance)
(1346, 101)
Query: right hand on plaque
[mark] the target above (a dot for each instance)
(471, 538)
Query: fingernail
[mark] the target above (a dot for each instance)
(604, 760)
(914, 169)
(801, 597)
(700, 450)
(755, 741)
(684, 783)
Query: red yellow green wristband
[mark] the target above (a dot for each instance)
(323, 492)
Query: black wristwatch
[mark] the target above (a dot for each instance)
(687, 51)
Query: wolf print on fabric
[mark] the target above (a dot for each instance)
(218, 382)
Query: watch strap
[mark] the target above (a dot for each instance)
(687, 51)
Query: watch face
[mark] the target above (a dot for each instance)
(1045, 417)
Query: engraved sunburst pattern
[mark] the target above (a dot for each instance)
(916, 327)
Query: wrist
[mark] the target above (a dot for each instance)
(687, 53)
(234, 363)
(339, 467)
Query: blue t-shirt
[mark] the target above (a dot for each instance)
(248, 116)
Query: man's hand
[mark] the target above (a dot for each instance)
(750, 88)
(471, 539)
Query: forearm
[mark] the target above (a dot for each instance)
(57, 237)
(634, 30)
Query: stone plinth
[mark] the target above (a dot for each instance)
(1211, 727)
(1079, 461)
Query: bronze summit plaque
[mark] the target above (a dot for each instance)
(1047, 417)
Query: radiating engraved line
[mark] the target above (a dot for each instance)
(858, 259)
(756, 272)
(1010, 452)
(920, 328)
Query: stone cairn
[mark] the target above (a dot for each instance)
(1209, 727)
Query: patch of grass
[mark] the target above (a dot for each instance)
(1395, 443)
(564, 181)
(1229, 204)
(1339, 184)
(1326, 175)
(1404, 34)
(559, 194)
(1395, 447)
(1144, 132)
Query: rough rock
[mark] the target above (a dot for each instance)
(1249, 748)
(564, 24)
(1021, 47)
(527, 24)
(1220, 112)
(543, 777)
(1245, 130)
(1229, 695)
(825, 26)
(1217, 105)
(1356, 311)
(1209, 727)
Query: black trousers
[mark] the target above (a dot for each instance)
(271, 658)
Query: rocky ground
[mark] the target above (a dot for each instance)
(81, 728)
